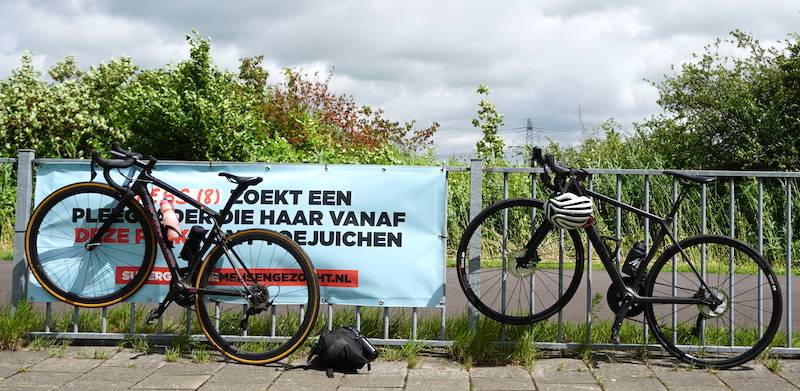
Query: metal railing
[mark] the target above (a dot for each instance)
(477, 173)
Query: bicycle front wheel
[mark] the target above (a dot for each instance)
(281, 296)
(493, 281)
(100, 276)
(722, 336)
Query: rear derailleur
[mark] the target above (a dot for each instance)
(258, 301)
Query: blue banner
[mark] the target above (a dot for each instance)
(375, 234)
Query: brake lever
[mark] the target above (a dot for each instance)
(92, 170)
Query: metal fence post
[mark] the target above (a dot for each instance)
(19, 274)
(475, 206)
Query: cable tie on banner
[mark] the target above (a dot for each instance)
(266, 168)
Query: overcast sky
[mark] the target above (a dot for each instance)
(551, 61)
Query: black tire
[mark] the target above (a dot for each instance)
(523, 216)
(729, 331)
(220, 317)
(55, 254)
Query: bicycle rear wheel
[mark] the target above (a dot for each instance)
(284, 282)
(57, 256)
(729, 334)
(500, 289)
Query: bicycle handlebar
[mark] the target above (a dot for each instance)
(129, 158)
(549, 164)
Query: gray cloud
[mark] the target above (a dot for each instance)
(419, 60)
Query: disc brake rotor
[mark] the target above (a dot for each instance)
(522, 271)
(721, 309)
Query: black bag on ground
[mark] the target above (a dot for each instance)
(344, 350)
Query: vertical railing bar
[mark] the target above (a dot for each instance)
(414, 323)
(675, 229)
(22, 213)
(330, 317)
(645, 329)
(442, 322)
(618, 230)
(104, 320)
(788, 262)
(273, 324)
(732, 254)
(217, 313)
(474, 247)
(358, 318)
(385, 322)
(761, 253)
(589, 281)
(75, 319)
(703, 222)
(560, 330)
(188, 322)
(302, 312)
(532, 280)
(48, 316)
(443, 302)
(244, 313)
(132, 315)
(503, 258)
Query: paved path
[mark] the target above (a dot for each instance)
(107, 368)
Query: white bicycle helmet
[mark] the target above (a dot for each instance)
(569, 211)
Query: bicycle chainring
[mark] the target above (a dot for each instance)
(614, 299)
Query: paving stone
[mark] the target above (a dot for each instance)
(791, 376)
(89, 352)
(381, 367)
(437, 373)
(371, 380)
(27, 388)
(636, 384)
(748, 371)
(569, 387)
(65, 365)
(96, 385)
(172, 382)
(23, 357)
(243, 374)
(300, 380)
(237, 387)
(502, 383)
(131, 359)
(790, 365)
(562, 371)
(681, 377)
(773, 383)
(506, 371)
(368, 389)
(176, 368)
(36, 379)
(7, 369)
(117, 373)
(611, 372)
(461, 383)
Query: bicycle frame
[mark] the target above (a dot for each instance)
(137, 187)
(607, 258)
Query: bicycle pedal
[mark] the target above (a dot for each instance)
(152, 316)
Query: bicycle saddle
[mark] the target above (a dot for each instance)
(241, 180)
(693, 178)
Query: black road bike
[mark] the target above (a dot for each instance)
(93, 245)
(706, 298)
